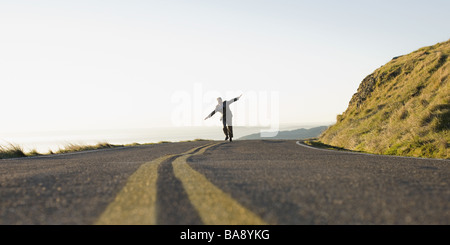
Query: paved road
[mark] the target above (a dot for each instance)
(210, 182)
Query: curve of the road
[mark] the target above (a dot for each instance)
(211, 182)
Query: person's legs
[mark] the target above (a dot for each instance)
(225, 130)
(230, 127)
(230, 132)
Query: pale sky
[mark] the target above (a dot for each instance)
(116, 64)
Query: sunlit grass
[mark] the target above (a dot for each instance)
(76, 148)
(11, 151)
(16, 151)
(403, 108)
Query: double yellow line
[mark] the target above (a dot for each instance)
(135, 204)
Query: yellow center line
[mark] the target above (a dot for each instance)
(135, 204)
(214, 206)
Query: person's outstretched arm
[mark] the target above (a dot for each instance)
(210, 114)
(234, 100)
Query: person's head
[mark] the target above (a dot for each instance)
(219, 100)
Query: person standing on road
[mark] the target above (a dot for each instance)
(227, 117)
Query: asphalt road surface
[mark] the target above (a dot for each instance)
(212, 182)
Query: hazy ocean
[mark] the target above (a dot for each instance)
(54, 140)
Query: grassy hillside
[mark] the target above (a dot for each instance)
(402, 108)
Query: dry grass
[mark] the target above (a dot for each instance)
(16, 151)
(11, 151)
(75, 147)
(406, 113)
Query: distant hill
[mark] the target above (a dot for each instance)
(290, 135)
(402, 108)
